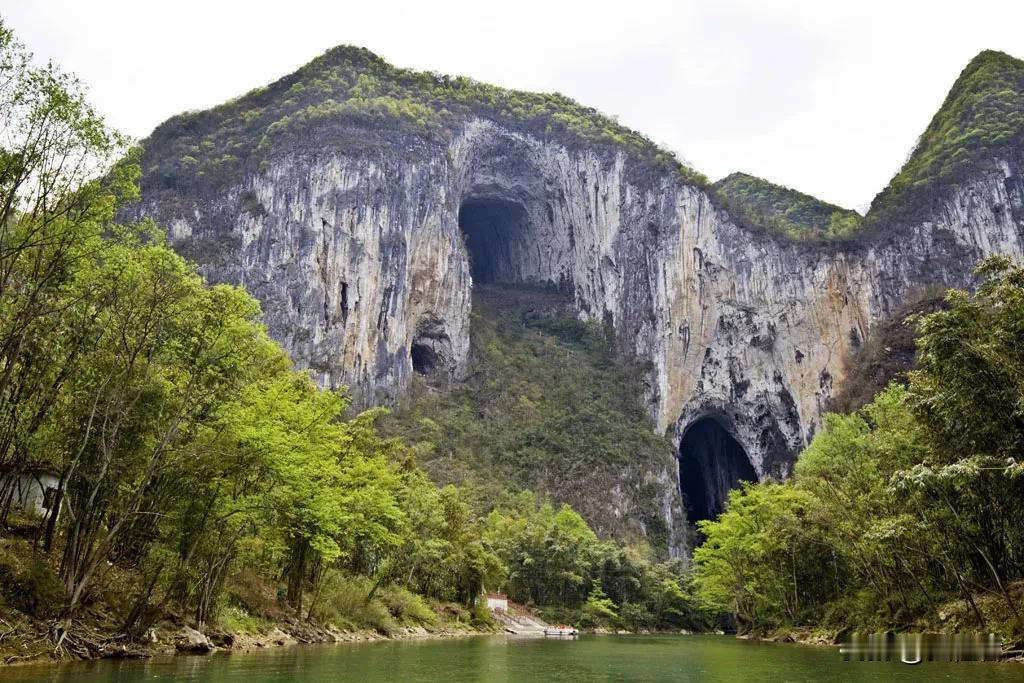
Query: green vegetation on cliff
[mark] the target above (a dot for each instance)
(981, 120)
(162, 463)
(352, 100)
(763, 204)
(550, 407)
(906, 513)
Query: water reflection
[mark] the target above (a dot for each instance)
(499, 659)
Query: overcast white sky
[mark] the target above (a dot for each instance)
(824, 96)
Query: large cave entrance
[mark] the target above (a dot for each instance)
(711, 463)
(496, 232)
(498, 238)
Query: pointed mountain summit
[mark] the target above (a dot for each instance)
(979, 126)
(351, 100)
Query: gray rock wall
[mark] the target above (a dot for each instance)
(359, 258)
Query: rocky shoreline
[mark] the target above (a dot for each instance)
(189, 641)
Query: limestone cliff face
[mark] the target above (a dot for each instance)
(357, 259)
(758, 330)
(365, 273)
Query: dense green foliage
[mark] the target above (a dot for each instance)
(887, 355)
(763, 204)
(906, 512)
(198, 476)
(982, 119)
(548, 406)
(184, 444)
(351, 99)
(556, 561)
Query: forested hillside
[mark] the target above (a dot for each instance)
(162, 463)
(980, 122)
(548, 406)
(349, 98)
(762, 204)
(906, 513)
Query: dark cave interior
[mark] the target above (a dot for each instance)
(492, 227)
(711, 463)
(424, 358)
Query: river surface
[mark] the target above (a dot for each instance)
(500, 659)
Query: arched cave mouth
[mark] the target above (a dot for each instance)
(430, 351)
(495, 232)
(424, 359)
(711, 463)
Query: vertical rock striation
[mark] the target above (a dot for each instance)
(358, 260)
(364, 252)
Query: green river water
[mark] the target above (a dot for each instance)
(500, 659)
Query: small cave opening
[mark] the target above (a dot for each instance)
(424, 359)
(494, 236)
(711, 463)
(430, 350)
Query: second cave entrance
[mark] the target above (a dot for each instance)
(711, 463)
(499, 240)
(496, 233)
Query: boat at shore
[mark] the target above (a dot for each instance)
(561, 630)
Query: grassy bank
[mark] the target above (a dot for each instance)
(253, 617)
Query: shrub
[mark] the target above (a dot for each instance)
(482, 618)
(407, 607)
(343, 602)
(29, 584)
(237, 620)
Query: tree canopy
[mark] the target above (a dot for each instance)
(907, 511)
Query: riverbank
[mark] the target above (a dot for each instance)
(34, 643)
(254, 616)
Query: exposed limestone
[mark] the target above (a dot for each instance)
(192, 641)
(361, 266)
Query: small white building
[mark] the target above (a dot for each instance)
(496, 602)
(33, 490)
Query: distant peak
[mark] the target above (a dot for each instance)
(981, 120)
(756, 201)
(352, 55)
(737, 177)
(991, 57)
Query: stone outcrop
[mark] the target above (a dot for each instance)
(360, 260)
(192, 641)
(366, 275)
